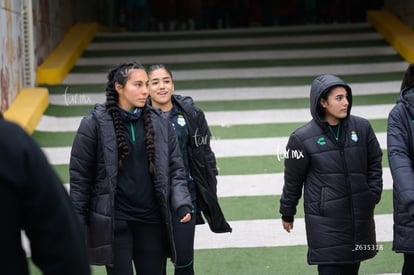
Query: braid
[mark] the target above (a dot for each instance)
(120, 75)
(149, 140)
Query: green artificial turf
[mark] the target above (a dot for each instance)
(286, 260)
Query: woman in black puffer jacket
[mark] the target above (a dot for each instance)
(127, 178)
(336, 159)
(400, 144)
(193, 134)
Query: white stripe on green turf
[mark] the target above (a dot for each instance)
(345, 69)
(229, 118)
(72, 97)
(262, 184)
(274, 146)
(245, 55)
(269, 233)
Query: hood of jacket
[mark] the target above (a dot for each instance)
(321, 85)
(407, 98)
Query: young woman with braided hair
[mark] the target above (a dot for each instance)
(127, 178)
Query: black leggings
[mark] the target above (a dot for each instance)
(146, 245)
(408, 267)
(184, 246)
(339, 269)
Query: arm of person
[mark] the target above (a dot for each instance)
(47, 217)
(202, 150)
(82, 166)
(180, 196)
(400, 159)
(294, 176)
(374, 165)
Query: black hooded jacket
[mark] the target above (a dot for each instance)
(33, 199)
(202, 165)
(400, 144)
(341, 181)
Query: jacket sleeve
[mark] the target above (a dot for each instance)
(374, 174)
(83, 166)
(46, 211)
(211, 158)
(294, 177)
(400, 161)
(180, 196)
(204, 171)
(204, 129)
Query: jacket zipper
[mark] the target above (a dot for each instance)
(349, 187)
(132, 131)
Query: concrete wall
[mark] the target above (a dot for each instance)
(51, 20)
(403, 9)
(11, 77)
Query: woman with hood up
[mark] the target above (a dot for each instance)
(336, 159)
(400, 144)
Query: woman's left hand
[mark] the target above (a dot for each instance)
(186, 218)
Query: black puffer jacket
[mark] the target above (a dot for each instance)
(94, 173)
(202, 165)
(33, 199)
(400, 156)
(342, 182)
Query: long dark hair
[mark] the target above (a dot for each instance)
(408, 80)
(120, 74)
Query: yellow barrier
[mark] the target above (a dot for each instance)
(400, 36)
(28, 107)
(63, 58)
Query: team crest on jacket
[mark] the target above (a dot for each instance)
(321, 141)
(354, 136)
(181, 120)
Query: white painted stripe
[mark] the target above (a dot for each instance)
(236, 56)
(232, 41)
(269, 233)
(345, 69)
(229, 118)
(266, 184)
(273, 146)
(71, 97)
(262, 184)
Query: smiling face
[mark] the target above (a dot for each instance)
(336, 105)
(161, 87)
(135, 91)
